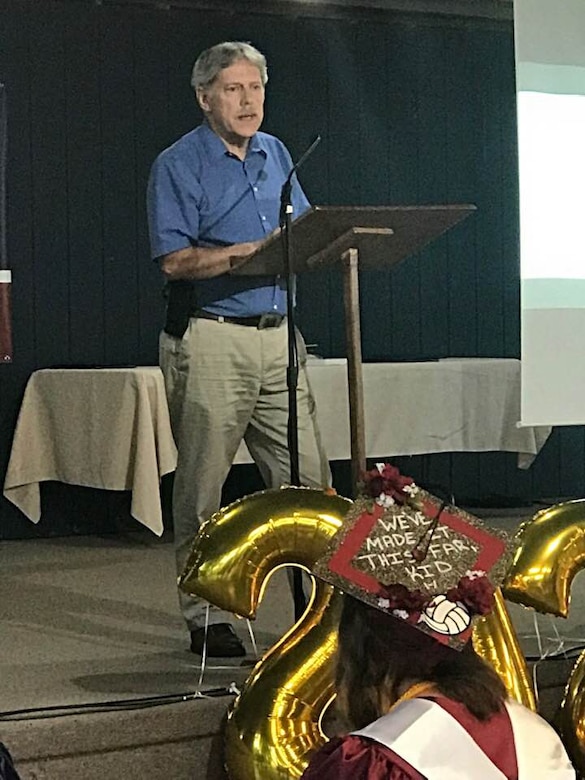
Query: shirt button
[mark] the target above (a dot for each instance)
(255, 189)
(263, 218)
(275, 306)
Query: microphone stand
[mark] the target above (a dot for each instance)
(292, 373)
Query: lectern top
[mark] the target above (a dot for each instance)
(384, 235)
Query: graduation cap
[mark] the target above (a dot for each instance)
(417, 558)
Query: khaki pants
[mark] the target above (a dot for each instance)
(226, 383)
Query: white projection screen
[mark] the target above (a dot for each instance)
(550, 83)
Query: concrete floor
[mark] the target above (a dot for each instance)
(94, 619)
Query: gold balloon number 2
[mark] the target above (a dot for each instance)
(274, 724)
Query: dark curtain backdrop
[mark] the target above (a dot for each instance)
(413, 109)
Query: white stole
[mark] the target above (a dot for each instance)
(433, 742)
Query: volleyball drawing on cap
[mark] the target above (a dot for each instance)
(445, 616)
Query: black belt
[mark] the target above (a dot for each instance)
(261, 321)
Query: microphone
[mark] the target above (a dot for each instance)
(285, 194)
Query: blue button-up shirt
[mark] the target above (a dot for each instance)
(199, 194)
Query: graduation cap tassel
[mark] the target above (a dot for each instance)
(421, 548)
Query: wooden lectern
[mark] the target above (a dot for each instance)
(349, 238)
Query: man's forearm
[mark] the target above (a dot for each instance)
(205, 262)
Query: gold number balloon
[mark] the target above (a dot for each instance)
(572, 716)
(494, 640)
(551, 552)
(274, 724)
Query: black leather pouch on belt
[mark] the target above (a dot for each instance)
(179, 307)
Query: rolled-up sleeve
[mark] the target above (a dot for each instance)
(172, 204)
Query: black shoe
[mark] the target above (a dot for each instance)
(222, 641)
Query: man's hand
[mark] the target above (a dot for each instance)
(243, 252)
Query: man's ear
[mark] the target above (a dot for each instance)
(202, 98)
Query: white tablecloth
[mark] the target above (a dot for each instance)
(451, 405)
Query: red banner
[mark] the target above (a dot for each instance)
(5, 318)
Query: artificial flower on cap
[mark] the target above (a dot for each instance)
(416, 558)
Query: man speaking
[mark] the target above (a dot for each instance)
(213, 197)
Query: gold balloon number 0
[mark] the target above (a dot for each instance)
(274, 724)
(551, 552)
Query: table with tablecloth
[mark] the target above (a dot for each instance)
(100, 428)
(416, 408)
(110, 428)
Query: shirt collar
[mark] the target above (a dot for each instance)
(216, 147)
(256, 145)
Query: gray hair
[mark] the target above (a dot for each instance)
(222, 55)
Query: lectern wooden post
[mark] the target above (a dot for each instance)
(352, 238)
(355, 383)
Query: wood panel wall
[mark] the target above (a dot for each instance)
(413, 109)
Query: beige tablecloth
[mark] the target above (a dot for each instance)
(103, 428)
(109, 428)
